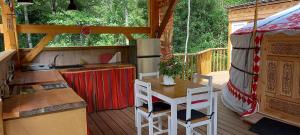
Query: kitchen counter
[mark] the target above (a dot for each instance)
(61, 111)
(46, 101)
(36, 77)
(97, 66)
(41, 102)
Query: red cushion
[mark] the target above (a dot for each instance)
(155, 99)
(105, 58)
(199, 101)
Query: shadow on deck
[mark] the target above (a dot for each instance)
(121, 122)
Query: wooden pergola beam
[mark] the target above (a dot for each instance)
(129, 36)
(58, 29)
(1, 28)
(166, 18)
(9, 26)
(153, 16)
(38, 48)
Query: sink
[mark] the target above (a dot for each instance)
(35, 67)
(58, 85)
(67, 66)
(22, 90)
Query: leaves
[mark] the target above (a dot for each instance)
(208, 21)
(208, 25)
(172, 67)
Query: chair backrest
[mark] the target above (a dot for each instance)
(205, 78)
(204, 93)
(152, 74)
(143, 94)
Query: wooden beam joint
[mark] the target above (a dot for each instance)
(166, 18)
(38, 48)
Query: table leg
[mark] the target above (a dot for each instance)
(173, 119)
(215, 117)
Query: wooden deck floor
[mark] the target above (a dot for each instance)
(121, 122)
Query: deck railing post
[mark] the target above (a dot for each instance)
(207, 61)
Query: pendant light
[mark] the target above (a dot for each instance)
(25, 2)
(72, 5)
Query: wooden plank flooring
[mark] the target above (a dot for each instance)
(121, 122)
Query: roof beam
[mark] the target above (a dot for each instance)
(153, 17)
(166, 18)
(58, 29)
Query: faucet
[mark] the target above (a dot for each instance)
(54, 60)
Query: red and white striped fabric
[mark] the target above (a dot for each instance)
(104, 89)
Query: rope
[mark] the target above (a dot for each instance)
(241, 70)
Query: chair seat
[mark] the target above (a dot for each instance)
(158, 107)
(155, 99)
(196, 116)
(199, 101)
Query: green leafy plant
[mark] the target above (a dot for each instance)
(172, 67)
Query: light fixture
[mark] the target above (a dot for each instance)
(25, 2)
(72, 5)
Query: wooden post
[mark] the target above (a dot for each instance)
(1, 119)
(153, 15)
(204, 62)
(9, 25)
(229, 46)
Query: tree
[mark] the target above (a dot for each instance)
(208, 21)
(208, 25)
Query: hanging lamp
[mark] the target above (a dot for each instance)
(25, 2)
(72, 5)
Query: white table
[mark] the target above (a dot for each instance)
(175, 95)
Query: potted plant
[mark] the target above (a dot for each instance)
(170, 69)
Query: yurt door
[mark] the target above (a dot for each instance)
(280, 78)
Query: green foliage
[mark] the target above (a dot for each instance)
(208, 21)
(208, 24)
(172, 67)
(91, 12)
(228, 3)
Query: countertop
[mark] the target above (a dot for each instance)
(97, 66)
(36, 77)
(41, 102)
(46, 101)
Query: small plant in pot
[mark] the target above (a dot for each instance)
(170, 69)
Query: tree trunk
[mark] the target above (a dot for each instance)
(54, 6)
(126, 18)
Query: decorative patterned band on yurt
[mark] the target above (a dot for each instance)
(240, 95)
(104, 89)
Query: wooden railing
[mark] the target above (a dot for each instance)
(207, 61)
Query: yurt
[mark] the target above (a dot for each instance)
(265, 68)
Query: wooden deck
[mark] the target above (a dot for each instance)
(121, 122)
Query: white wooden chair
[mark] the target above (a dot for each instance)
(151, 74)
(143, 94)
(192, 117)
